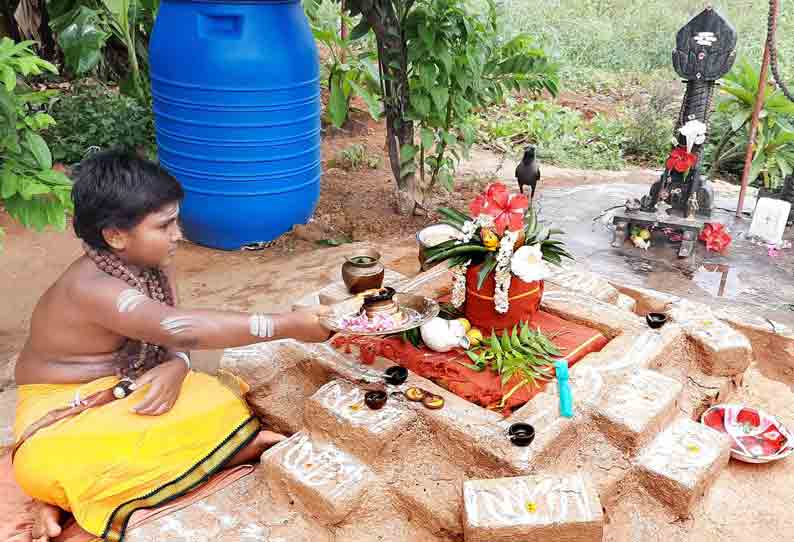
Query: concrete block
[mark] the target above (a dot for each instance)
(634, 411)
(337, 412)
(681, 463)
(328, 482)
(563, 508)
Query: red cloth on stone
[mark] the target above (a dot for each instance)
(482, 388)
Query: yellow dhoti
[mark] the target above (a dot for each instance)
(107, 462)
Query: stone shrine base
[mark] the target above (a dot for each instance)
(632, 464)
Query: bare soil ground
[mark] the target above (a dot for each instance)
(355, 204)
(358, 204)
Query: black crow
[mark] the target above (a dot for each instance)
(528, 171)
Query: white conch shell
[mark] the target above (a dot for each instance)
(442, 335)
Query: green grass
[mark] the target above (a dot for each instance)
(617, 53)
(600, 41)
(562, 136)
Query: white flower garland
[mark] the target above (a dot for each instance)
(503, 272)
(459, 285)
(468, 229)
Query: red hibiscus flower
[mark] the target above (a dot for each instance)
(507, 209)
(715, 237)
(681, 160)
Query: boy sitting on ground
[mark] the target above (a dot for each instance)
(110, 418)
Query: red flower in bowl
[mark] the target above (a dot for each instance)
(757, 436)
(715, 237)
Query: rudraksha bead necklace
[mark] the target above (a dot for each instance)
(138, 356)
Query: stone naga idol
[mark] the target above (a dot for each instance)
(705, 51)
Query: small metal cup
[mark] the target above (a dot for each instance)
(375, 399)
(521, 434)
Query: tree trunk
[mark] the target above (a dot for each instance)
(48, 50)
(393, 62)
(8, 7)
(398, 133)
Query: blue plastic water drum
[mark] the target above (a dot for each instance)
(236, 99)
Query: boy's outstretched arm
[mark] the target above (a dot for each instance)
(115, 306)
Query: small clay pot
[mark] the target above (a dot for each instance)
(363, 271)
(521, 434)
(656, 319)
(375, 399)
(433, 402)
(415, 394)
(396, 375)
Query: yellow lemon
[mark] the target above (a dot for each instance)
(645, 235)
(475, 336)
(465, 323)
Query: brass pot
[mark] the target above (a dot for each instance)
(363, 271)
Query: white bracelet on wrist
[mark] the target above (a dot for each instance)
(261, 326)
(184, 357)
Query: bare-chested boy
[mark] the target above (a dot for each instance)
(110, 418)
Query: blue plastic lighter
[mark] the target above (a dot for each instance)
(566, 398)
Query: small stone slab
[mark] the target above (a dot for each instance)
(329, 482)
(563, 508)
(627, 303)
(652, 219)
(581, 309)
(633, 412)
(281, 375)
(682, 462)
(637, 350)
(338, 413)
(244, 511)
(723, 351)
(586, 283)
(647, 300)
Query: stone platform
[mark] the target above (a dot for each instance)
(407, 473)
(690, 227)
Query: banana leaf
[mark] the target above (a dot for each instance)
(487, 266)
(457, 251)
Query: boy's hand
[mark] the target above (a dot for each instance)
(306, 324)
(165, 381)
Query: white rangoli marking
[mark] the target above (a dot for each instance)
(555, 499)
(350, 406)
(327, 468)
